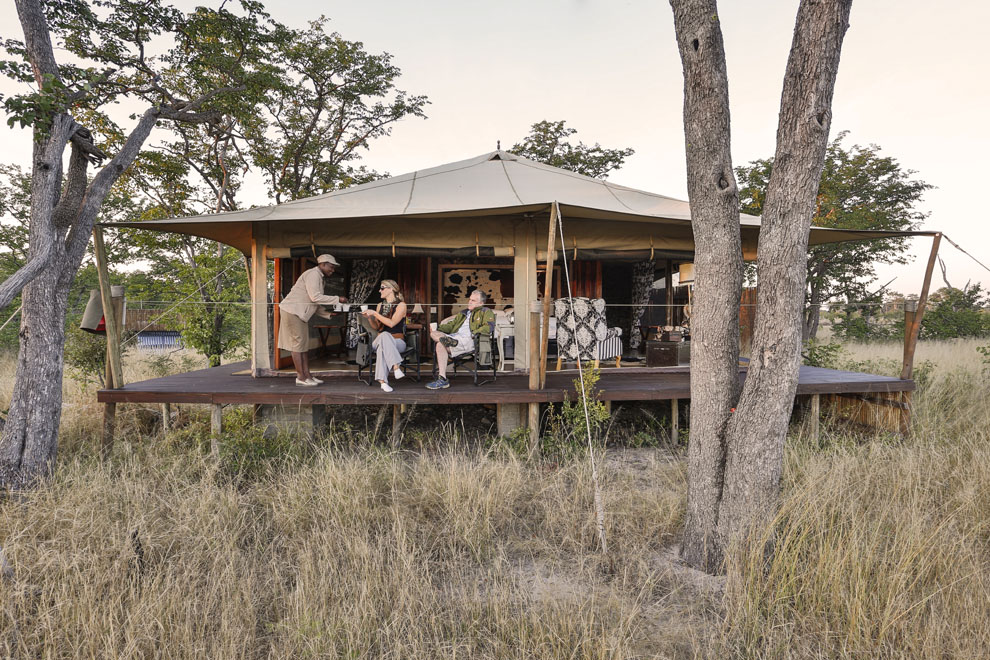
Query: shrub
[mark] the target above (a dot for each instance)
(820, 354)
(567, 429)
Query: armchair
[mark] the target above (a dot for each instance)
(583, 332)
(365, 355)
(484, 356)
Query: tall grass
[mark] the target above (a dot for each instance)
(882, 545)
(348, 550)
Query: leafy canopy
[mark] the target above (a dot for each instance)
(548, 142)
(859, 189)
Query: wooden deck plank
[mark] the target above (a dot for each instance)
(220, 386)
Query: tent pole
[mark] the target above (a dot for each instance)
(109, 315)
(260, 353)
(911, 334)
(547, 288)
(524, 289)
(912, 328)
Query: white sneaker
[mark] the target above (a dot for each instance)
(399, 374)
(305, 383)
(386, 387)
(316, 380)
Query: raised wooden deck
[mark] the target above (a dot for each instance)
(223, 385)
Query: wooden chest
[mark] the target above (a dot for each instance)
(663, 353)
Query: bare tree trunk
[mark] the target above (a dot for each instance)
(757, 432)
(714, 201)
(736, 451)
(30, 436)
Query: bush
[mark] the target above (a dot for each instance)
(567, 429)
(86, 356)
(820, 354)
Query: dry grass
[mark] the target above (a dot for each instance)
(458, 551)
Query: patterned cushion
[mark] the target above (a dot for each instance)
(581, 327)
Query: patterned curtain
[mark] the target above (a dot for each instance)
(642, 284)
(365, 274)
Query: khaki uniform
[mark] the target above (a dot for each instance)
(298, 307)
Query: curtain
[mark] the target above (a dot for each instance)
(643, 275)
(365, 275)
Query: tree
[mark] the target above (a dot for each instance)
(735, 454)
(224, 52)
(324, 104)
(548, 143)
(859, 189)
(332, 100)
(954, 313)
(15, 213)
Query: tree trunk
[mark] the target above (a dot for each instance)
(30, 436)
(756, 436)
(736, 451)
(718, 262)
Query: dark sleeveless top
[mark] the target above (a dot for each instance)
(386, 311)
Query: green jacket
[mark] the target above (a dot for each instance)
(482, 321)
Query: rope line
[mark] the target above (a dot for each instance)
(16, 312)
(176, 305)
(956, 245)
(599, 505)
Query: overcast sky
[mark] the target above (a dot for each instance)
(912, 80)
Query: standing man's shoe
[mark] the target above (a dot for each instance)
(439, 384)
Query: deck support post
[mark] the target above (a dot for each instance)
(261, 356)
(216, 428)
(675, 422)
(533, 421)
(166, 418)
(396, 425)
(303, 419)
(509, 417)
(814, 414)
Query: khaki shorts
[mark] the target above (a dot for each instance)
(293, 333)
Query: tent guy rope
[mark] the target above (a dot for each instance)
(599, 505)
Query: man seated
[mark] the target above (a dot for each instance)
(455, 336)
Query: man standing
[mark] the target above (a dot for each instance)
(455, 336)
(297, 308)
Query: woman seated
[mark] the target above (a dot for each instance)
(390, 319)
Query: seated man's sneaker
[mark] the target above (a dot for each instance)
(306, 383)
(438, 384)
(398, 374)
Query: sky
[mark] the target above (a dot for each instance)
(911, 80)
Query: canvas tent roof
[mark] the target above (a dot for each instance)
(471, 202)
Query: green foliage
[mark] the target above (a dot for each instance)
(984, 351)
(568, 425)
(86, 356)
(330, 100)
(867, 322)
(954, 313)
(821, 354)
(247, 453)
(859, 189)
(548, 143)
(165, 364)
